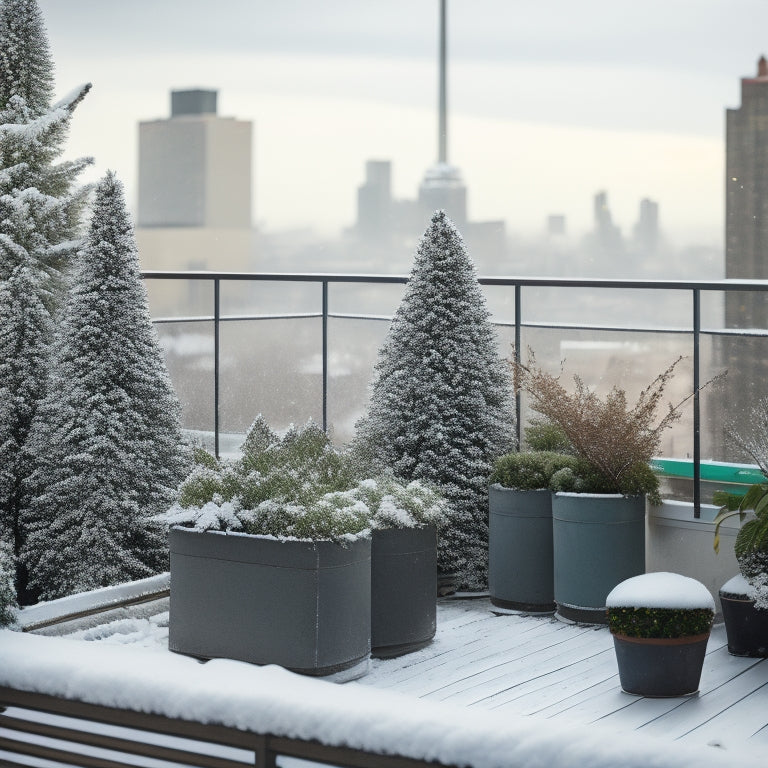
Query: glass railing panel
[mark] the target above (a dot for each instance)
(188, 349)
(180, 297)
(270, 367)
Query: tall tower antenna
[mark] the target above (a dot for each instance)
(442, 128)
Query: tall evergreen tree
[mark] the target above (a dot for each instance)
(26, 68)
(440, 407)
(107, 437)
(40, 207)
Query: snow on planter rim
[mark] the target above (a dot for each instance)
(660, 590)
(738, 585)
(272, 700)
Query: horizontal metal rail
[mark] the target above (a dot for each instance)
(324, 280)
(73, 744)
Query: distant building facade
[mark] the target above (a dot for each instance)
(194, 206)
(195, 167)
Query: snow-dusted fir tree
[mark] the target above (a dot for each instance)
(26, 68)
(107, 436)
(40, 207)
(440, 407)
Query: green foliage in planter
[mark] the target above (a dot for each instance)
(544, 435)
(584, 477)
(530, 471)
(615, 439)
(660, 622)
(299, 486)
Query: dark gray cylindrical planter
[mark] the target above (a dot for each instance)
(745, 626)
(403, 589)
(660, 666)
(305, 605)
(520, 561)
(598, 541)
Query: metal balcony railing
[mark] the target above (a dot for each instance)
(693, 288)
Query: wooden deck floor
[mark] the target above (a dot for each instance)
(540, 666)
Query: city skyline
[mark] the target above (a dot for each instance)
(546, 108)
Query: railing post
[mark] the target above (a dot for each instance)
(696, 404)
(216, 319)
(325, 355)
(518, 358)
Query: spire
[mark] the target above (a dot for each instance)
(442, 128)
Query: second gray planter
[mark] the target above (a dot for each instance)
(403, 589)
(598, 542)
(520, 562)
(305, 605)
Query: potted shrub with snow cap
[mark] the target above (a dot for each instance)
(660, 624)
(405, 519)
(520, 559)
(271, 559)
(598, 507)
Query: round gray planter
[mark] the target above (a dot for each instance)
(745, 626)
(662, 667)
(305, 605)
(520, 561)
(598, 542)
(403, 589)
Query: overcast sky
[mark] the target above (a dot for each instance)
(549, 101)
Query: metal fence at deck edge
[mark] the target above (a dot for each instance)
(693, 287)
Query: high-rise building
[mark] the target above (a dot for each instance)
(195, 167)
(746, 257)
(607, 234)
(194, 207)
(746, 199)
(374, 201)
(646, 233)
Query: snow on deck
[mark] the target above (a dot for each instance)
(528, 683)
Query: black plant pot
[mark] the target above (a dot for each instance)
(520, 560)
(305, 605)
(745, 626)
(403, 590)
(660, 667)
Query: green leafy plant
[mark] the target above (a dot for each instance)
(530, 470)
(614, 440)
(660, 622)
(751, 545)
(544, 435)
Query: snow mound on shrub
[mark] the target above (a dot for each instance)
(660, 590)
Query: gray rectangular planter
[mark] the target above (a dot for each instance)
(520, 560)
(403, 589)
(305, 605)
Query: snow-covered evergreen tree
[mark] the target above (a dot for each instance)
(107, 437)
(440, 406)
(26, 68)
(8, 604)
(40, 208)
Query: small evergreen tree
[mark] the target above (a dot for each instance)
(440, 407)
(40, 209)
(107, 438)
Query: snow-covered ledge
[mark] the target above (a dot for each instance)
(677, 541)
(271, 700)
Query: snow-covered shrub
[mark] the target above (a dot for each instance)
(8, 604)
(106, 440)
(660, 605)
(299, 486)
(441, 408)
(40, 211)
(397, 505)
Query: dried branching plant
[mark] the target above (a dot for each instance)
(615, 440)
